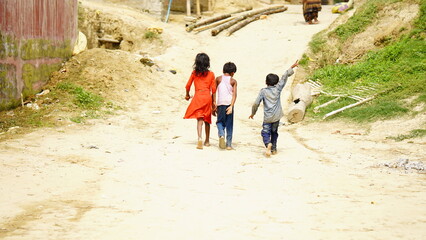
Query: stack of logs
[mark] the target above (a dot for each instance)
(234, 21)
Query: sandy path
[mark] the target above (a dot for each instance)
(139, 176)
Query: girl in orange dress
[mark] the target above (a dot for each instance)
(204, 101)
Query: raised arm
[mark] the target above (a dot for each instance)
(288, 73)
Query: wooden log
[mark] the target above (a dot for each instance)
(224, 26)
(303, 93)
(347, 107)
(108, 40)
(296, 112)
(243, 23)
(212, 25)
(207, 21)
(218, 22)
(301, 99)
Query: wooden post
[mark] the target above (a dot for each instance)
(188, 8)
(198, 8)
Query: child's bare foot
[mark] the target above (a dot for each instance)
(274, 152)
(229, 148)
(207, 144)
(268, 150)
(200, 144)
(222, 142)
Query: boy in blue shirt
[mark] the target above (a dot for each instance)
(272, 110)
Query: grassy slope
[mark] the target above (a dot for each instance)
(397, 71)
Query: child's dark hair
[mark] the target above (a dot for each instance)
(272, 79)
(202, 64)
(229, 67)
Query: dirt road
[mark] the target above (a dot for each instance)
(138, 175)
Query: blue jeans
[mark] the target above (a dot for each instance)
(225, 122)
(270, 134)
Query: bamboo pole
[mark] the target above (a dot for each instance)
(220, 28)
(316, 109)
(207, 21)
(214, 24)
(215, 19)
(252, 19)
(347, 107)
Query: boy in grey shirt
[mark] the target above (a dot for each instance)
(272, 110)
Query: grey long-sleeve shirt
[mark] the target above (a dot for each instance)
(271, 97)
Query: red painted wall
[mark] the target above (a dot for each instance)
(52, 19)
(35, 33)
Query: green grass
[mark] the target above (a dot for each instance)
(420, 22)
(397, 71)
(82, 98)
(87, 100)
(317, 43)
(416, 133)
(421, 98)
(150, 35)
(374, 111)
(363, 17)
(91, 114)
(304, 60)
(394, 65)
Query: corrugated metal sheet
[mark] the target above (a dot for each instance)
(47, 19)
(35, 37)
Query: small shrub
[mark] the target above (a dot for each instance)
(304, 60)
(66, 86)
(317, 43)
(416, 133)
(150, 35)
(87, 99)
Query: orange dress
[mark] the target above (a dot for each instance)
(201, 103)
